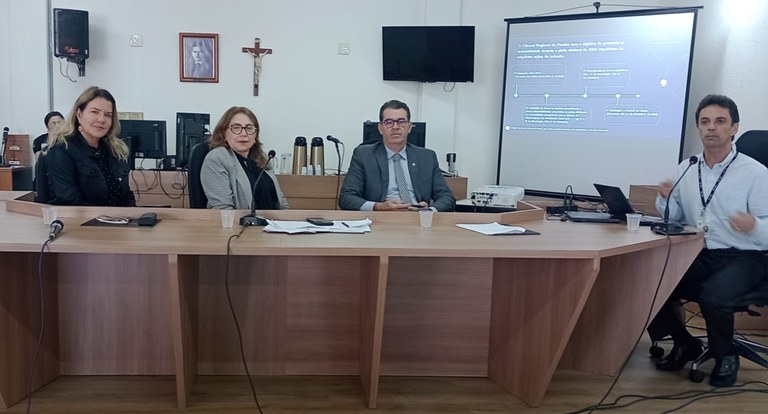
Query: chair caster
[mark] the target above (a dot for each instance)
(696, 375)
(656, 352)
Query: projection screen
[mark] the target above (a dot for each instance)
(594, 98)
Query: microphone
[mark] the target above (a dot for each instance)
(252, 219)
(56, 227)
(673, 228)
(2, 148)
(336, 142)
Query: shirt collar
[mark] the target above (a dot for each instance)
(722, 163)
(391, 153)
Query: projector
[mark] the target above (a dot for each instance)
(497, 195)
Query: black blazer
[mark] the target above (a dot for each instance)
(74, 178)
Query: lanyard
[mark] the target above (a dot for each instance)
(711, 193)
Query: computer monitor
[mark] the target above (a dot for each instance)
(147, 138)
(417, 136)
(191, 129)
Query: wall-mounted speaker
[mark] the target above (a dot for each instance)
(70, 33)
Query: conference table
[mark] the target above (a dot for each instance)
(400, 300)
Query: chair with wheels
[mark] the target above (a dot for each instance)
(197, 198)
(744, 347)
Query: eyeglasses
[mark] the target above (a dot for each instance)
(389, 123)
(249, 129)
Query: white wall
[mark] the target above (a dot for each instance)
(308, 89)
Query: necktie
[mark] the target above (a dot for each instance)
(402, 186)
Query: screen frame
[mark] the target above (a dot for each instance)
(571, 17)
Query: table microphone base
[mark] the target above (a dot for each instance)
(253, 220)
(668, 228)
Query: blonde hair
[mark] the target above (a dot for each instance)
(71, 124)
(219, 138)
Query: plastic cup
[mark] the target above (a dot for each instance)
(425, 218)
(49, 215)
(633, 221)
(227, 218)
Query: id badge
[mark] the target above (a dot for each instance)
(703, 222)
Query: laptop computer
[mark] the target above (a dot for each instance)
(618, 205)
(590, 217)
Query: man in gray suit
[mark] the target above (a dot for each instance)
(393, 175)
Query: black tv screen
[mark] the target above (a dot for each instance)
(429, 53)
(147, 138)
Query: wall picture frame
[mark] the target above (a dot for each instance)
(199, 57)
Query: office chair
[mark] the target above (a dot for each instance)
(197, 198)
(755, 144)
(744, 347)
(42, 190)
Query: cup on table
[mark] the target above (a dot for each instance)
(425, 217)
(633, 221)
(227, 218)
(49, 214)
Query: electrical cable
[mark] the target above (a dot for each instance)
(32, 369)
(234, 316)
(591, 408)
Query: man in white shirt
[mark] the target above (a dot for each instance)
(726, 196)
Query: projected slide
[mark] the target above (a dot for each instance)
(603, 93)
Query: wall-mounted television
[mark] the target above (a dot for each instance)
(417, 136)
(429, 53)
(147, 138)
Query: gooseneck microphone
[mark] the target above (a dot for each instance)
(336, 141)
(252, 219)
(673, 228)
(56, 227)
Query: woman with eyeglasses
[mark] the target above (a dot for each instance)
(235, 162)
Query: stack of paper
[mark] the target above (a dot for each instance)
(339, 226)
(493, 228)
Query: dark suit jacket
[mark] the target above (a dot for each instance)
(368, 178)
(74, 177)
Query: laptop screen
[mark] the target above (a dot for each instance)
(614, 199)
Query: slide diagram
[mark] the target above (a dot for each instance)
(619, 84)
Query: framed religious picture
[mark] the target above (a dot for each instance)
(199, 57)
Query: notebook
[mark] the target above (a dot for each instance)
(618, 205)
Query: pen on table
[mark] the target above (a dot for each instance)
(345, 224)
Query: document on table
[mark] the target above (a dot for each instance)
(496, 229)
(297, 227)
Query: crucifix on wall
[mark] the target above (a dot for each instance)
(258, 53)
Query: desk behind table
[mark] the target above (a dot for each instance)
(304, 192)
(401, 300)
(15, 178)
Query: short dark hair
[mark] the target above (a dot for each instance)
(721, 101)
(394, 104)
(51, 115)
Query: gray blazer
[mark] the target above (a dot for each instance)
(226, 184)
(368, 178)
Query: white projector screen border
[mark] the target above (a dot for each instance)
(594, 98)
